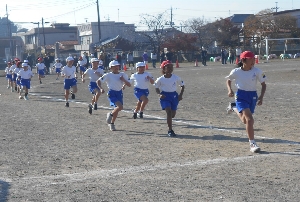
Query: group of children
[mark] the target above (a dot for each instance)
(245, 76)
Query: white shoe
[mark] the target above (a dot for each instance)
(230, 107)
(108, 118)
(12, 90)
(26, 98)
(20, 97)
(254, 148)
(112, 127)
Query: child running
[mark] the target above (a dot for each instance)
(166, 87)
(15, 73)
(8, 75)
(94, 74)
(57, 66)
(246, 76)
(81, 64)
(69, 72)
(141, 81)
(40, 69)
(15, 69)
(114, 81)
(25, 76)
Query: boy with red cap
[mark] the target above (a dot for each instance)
(166, 87)
(246, 77)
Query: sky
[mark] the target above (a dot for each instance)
(24, 12)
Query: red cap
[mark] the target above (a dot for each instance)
(9, 63)
(16, 59)
(165, 63)
(18, 63)
(40, 58)
(247, 54)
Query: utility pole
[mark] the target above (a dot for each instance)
(276, 8)
(9, 33)
(171, 23)
(99, 29)
(44, 33)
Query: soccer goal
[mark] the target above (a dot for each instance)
(279, 39)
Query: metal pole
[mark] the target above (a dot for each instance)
(99, 29)
(267, 49)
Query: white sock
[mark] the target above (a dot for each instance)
(252, 141)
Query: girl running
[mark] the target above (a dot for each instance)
(25, 76)
(114, 81)
(94, 74)
(165, 87)
(69, 72)
(246, 76)
(141, 80)
(57, 66)
(40, 69)
(8, 75)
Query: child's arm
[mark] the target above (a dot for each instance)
(127, 83)
(230, 91)
(181, 93)
(262, 93)
(99, 86)
(151, 80)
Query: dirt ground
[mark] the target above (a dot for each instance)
(53, 153)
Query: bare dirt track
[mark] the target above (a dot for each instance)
(53, 153)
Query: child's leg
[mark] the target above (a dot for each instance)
(169, 117)
(96, 97)
(138, 106)
(247, 118)
(144, 102)
(74, 89)
(67, 92)
(116, 111)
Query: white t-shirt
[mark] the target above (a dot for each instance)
(57, 65)
(69, 72)
(140, 80)
(153, 56)
(12, 68)
(81, 62)
(238, 51)
(16, 70)
(168, 84)
(113, 81)
(246, 80)
(7, 70)
(25, 74)
(92, 74)
(40, 66)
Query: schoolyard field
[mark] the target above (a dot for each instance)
(53, 153)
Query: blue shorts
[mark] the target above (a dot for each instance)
(25, 83)
(93, 86)
(14, 77)
(140, 92)
(41, 72)
(114, 96)
(69, 83)
(57, 70)
(82, 68)
(245, 100)
(9, 76)
(170, 100)
(18, 81)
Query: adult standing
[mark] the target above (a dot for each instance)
(162, 56)
(204, 56)
(231, 56)
(154, 58)
(130, 59)
(223, 56)
(238, 52)
(145, 58)
(169, 55)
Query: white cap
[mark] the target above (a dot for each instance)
(57, 59)
(24, 64)
(100, 62)
(69, 58)
(114, 63)
(94, 60)
(26, 61)
(140, 64)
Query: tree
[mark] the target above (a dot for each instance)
(155, 33)
(181, 42)
(7, 27)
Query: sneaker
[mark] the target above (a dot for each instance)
(57, 78)
(16, 88)
(171, 133)
(230, 107)
(40, 82)
(134, 115)
(95, 106)
(12, 89)
(67, 104)
(112, 127)
(20, 97)
(141, 115)
(90, 109)
(108, 118)
(25, 97)
(254, 148)
(72, 95)
(8, 87)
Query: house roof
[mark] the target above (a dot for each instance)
(63, 45)
(286, 11)
(106, 41)
(239, 18)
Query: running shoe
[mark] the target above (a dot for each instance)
(108, 118)
(26, 97)
(72, 95)
(254, 148)
(134, 115)
(112, 127)
(67, 104)
(171, 133)
(230, 107)
(90, 109)
(95, 106)
(141, 115)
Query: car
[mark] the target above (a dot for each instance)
(272, 56)
(285, 56)
(297, 55)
